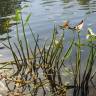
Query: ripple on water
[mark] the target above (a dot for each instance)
(46, 13)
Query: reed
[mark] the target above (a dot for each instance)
(39, 70)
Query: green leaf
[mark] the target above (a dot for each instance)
(27, 19)
(81, 44)
(69, 51)
(25, 6)
(17, 15)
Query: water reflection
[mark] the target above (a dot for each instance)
(7, 8)
(66, 1)
(44, 14)
(83, 2)
(4, 26)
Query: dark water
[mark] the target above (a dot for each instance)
(45, 13)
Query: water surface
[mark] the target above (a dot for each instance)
(45, 13)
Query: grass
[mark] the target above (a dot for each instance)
(42, 71)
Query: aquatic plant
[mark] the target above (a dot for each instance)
(43, 70)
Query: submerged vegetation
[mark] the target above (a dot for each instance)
(48, 70)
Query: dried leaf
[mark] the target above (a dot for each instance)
(79, 26)
(65, 25)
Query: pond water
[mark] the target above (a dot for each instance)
(45, 13)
